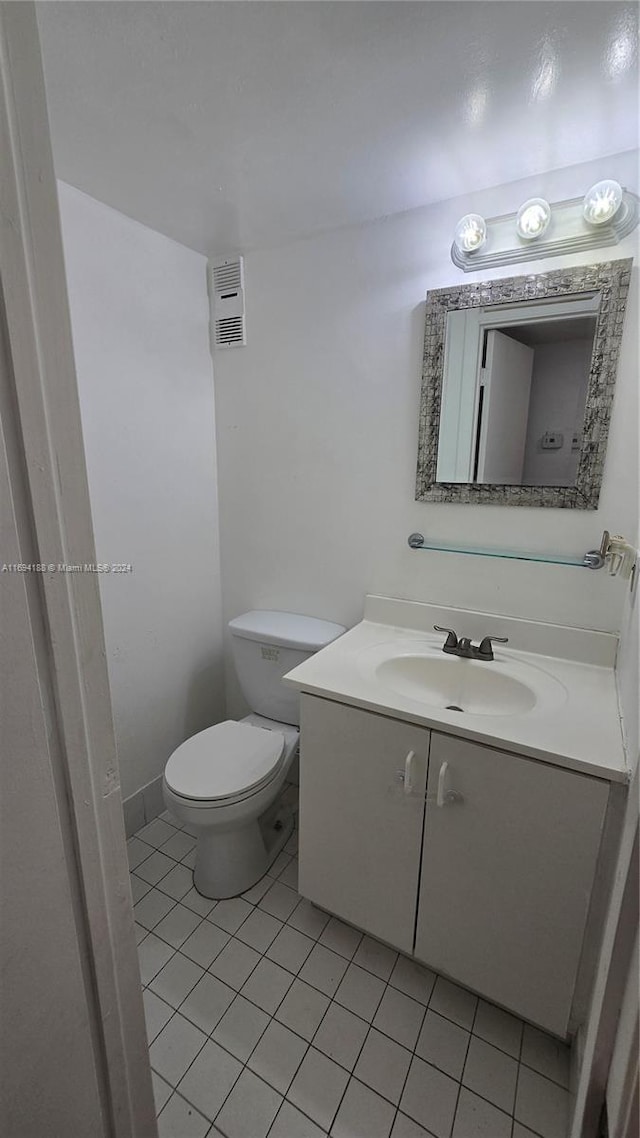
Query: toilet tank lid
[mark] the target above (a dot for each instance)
(287, 629)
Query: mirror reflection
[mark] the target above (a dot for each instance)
(514, 392)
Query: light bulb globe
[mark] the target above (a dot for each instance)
(470, 233)
(533, 218)
(602, 202)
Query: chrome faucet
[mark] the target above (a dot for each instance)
(463, 647)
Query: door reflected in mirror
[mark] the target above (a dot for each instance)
(514, 393)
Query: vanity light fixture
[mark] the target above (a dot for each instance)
(602, 202)
(471, 233)
(603, 217)
(532, 219)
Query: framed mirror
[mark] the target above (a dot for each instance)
(517, 387)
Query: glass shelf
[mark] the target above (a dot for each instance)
(417, 542)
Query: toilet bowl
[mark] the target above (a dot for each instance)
(225, 782)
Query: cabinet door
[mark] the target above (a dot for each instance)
(360, 831)
(507, 869)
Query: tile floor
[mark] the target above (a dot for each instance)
(267, 1017)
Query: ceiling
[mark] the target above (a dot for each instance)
(231, 125)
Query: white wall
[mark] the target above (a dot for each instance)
(317, 429)
(139, 314)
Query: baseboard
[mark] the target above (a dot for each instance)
(143, 806)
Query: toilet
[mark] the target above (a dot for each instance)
(225, 781)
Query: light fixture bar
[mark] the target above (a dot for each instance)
(568, 232)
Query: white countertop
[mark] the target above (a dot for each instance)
(580, 731)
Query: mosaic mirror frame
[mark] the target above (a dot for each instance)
(611, 280)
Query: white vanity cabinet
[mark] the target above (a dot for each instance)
(508, 865)
(487, 877)
(360, 833)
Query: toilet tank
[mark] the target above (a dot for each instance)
(266, 645)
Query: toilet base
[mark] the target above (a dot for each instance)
(229, 862)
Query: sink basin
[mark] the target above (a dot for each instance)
(422, 673)
(457, 684)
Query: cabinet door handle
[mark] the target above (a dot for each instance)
(442, 778)
(444, 797)
(408, 772)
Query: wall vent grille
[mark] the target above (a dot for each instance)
(225, 278)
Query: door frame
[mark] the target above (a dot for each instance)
(56, 511)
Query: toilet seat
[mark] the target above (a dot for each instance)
(223, 763)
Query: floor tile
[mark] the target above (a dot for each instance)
(178, 924)
(277, 1056)
(292, 845)
(430, 1098)
(175, 1048)
(204, 944)
(341, 1035)
(161, 1091)
(318, 1087)
(259, 930)
(280, 901)
(207, 1002)
(376, 957)
(257, 891)
(195, 901)
(174, 982)
(323, 969)
(360, 992)
(139, 932)
(340, 938)
(190, 859)
(405, 1127)
(178, 845)
(167, 816)
(443, 1044)
(180, 1120)
(413, 979)
(308, 919)
(235, 963)
(383, 1065)
(278, 866)
(498, 1027)
(250, 1108)
(302, 1009)
(138, 888)
(177, 883)
(400, 1017)
(291, 1123)
(520, 1131)
(210, 1078)
(541, 1104)
(240, 1028)
(230, 914)
(137, 852)
(453, 1002)
(491, 1073)
(290, 949)
(155, 833)
(153, 954)
(289, 875)
(152, 908)
(156, 1014)
(476, 1118)
(267, 985)
(362, 1114)
(546, 1055)
(156, 866)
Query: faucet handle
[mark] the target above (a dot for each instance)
(485, 648)
(452, 636)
